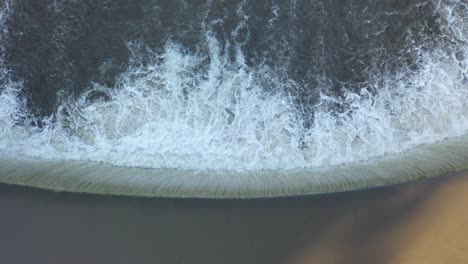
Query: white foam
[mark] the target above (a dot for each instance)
(197, 111)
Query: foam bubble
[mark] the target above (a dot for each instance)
(204, 111)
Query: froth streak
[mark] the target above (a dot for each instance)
(87, 177)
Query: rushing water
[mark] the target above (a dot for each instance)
(233, 86)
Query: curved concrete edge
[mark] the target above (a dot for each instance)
(88, 177)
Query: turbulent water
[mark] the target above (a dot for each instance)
(230, 85)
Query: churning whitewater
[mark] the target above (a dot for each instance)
(294, 86)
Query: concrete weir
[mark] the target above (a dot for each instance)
(231, 99)
(89, 177)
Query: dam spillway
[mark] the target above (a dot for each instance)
(231, 98)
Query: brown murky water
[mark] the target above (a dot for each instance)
(422, 222)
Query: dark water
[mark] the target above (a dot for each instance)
(232, 86)
(62, 45)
